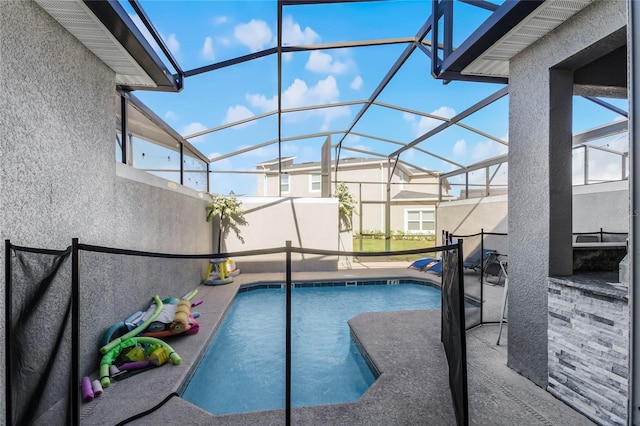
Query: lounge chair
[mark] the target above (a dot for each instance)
(494, 267)
(427, 264)
(473, 261)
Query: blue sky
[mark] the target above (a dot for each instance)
(200, 33)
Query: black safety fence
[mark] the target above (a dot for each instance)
(454, 329)
(43, 297)
(485, 266)
(39, 356)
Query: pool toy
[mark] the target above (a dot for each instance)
(109, 357)
(87, 390)
(113, 370)
(223, 277)
(154, 322)
(181, 318)
(135, 354)
(159, 357)
(232, 268)
(106, 347)
(96, 387)
(138, 365)
(175, 319)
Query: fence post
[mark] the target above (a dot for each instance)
(75, 333)
(8, 306)
(481, 275)
(601, 235)
(288, 337)
(463, 337)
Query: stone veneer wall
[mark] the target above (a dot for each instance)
(588, 348)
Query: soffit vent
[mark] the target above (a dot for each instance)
(85, 26)
(495, 60)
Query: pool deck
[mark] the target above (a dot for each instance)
(412, 388)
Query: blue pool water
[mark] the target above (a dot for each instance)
(244, 368)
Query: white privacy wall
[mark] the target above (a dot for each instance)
(310, 223)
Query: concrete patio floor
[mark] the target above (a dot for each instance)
(412, 389)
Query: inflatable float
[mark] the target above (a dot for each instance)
(163, 318)
(160, 354)
(226, 269)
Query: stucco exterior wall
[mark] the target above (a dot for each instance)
(529, 178)
(468, 217)
(58, 179)
(602, 205)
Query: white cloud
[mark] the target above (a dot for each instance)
(237, 113)
(333, 113)
(408, 116)
(192, 128)
(293, 34)
(299, 94)
(321, 62)
(351, 138)
(172, 43)
(220, 165)
(356, 84)
(262, 102)
(427, 123)
(223, 41)
(409, 155)
(170, 115)
(255, 34)
(460, 148)
(218, 20)
(264, 152)
(488, 149)
(207, 49)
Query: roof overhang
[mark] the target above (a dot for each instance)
(106, 29)
(514, 26)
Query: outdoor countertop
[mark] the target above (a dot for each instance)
(601, 283)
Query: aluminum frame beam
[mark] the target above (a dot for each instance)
(600, 132)
(297, 48)
(467, 112)
(607, 105)
(270, 113)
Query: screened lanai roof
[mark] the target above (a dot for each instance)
(244, 82)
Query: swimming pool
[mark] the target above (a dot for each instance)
(244, 368)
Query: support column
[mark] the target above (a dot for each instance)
(560, 172)
(634, 193)
(539, 207)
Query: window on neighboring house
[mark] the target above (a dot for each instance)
(420, 221)
(315, 182)
(284, 183)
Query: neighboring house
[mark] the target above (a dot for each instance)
(413, 194)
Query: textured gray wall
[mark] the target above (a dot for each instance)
(58, 178)
(529, 178)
